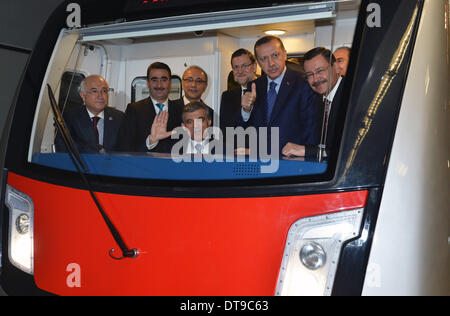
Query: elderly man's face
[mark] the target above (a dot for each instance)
(194, 84)
(321, 76)
(342, 59)
(96, 95)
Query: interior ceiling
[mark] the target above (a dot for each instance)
(300, 27)
(345, 9)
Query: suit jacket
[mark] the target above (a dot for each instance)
(82, 131)
(230, 106)
(295, 110)
(313, 151)
(137, 124)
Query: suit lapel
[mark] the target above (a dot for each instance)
(86, 127)
(108, 126)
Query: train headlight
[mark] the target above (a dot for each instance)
(20, 237)
(312, 252)
(313, 256)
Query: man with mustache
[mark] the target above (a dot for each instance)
(322, 74)
(279, 99)
(94, 126)
(148, 123)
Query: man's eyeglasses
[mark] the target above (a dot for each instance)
(243, 67)
(97, 91)
(318, 72)
(192, 80)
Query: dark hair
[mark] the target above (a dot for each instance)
(326, 53)
(195, 106)
(268, 39)
(159, 65)
(242, 52)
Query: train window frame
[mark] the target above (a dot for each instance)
(64, 94)
(243, 171)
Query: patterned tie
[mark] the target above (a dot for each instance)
(326, 112)
(95, 120)
(271, 98)
(160, 106)
(198, 148)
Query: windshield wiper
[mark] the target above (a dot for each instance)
(82, 171)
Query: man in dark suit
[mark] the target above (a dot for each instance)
(281, 98)
(93, 127)
(322, 74)
(148, 124)
(194, 84)
(243, 64)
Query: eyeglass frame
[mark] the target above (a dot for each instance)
(319, 71)
(191, 80)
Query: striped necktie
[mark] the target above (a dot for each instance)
(160, 106)
(326, 114)
(95, 120)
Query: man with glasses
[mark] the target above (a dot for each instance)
(94, 126)
(322, 74)
(149, 123)
(194, 84)
(243, 64)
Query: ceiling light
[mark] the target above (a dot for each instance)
(275, 32)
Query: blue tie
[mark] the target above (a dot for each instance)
(160, 106)
(271, 97)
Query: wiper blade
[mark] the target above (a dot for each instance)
(82, 170)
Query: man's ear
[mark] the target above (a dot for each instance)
(83, 97)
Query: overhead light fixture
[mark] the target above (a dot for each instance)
(275, 32)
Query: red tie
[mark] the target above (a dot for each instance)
(95, 120)
(325, 120)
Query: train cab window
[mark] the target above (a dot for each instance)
(69, 96)
(140, 91)
(283, 131)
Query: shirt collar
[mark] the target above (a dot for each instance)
(166, 104)
(100, 115)
(332, 93)
(279, 79)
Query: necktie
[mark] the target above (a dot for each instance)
(326, 112)
(271, 97)
(198, 148)
(95, 120)
(160, 106)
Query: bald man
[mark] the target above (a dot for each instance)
(94, 126)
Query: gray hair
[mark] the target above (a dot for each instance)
(195, 106)
(82, 87)
(344, 48)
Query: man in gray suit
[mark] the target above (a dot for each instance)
(93, 127)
